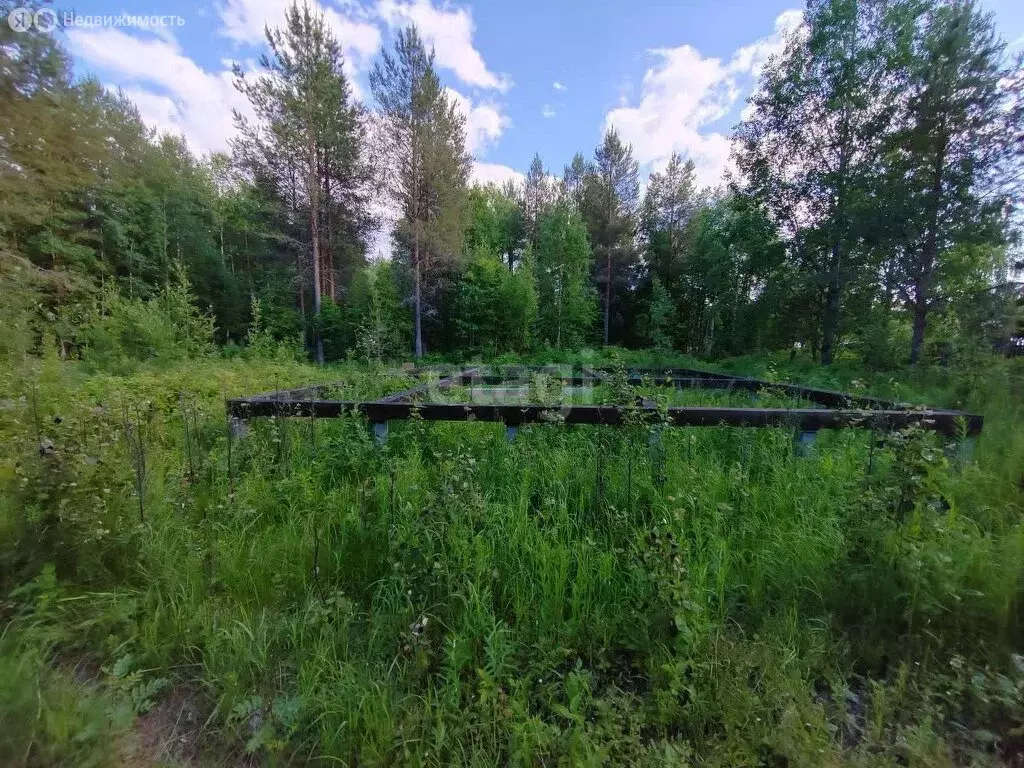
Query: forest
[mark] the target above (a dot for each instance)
(179, 587)
(871, 208)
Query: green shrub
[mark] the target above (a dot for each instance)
(167, 327)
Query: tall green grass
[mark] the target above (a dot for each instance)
(449, 598)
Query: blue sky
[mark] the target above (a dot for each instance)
(543, 76)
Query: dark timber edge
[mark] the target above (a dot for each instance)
(412, 393)
(680, 378)
(951, 423)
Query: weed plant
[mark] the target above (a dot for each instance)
(580, 596)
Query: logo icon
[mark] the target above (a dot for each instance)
(20, 19)
(46, 19)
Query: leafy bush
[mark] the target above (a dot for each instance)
(167, 327)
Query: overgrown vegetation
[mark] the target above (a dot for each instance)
(450, 598)
(177, 587)
(872, 211)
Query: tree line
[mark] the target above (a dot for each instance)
(872, 207)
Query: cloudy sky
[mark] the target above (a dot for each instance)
(543, 76)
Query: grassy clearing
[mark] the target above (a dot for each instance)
(450, 598)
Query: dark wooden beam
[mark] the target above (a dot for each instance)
(680, 378)
(950, 423)
(411, 394)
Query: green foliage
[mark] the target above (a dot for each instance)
(882, 341)
(38, 309)
(425, 135)
(167, 327)
(308, 135)
(544, 600)
(495, 308)
(642, 596)
(660, 321)
(495, 224)
(877, 176)
(140, 690)
(333, 326)
(944, 153)
(380, 322)
(519, 298)
(49, 719)
(562, 263)
(610, 203)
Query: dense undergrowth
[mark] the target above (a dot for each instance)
(449, 598)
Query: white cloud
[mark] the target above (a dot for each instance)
(244, 22)
(750, 59)
(558, 86)
(686, 91)
(172, 92)
(359, 40)
(494, 173)
(450, 31)
(158, 111)
(176, 95)
(548, 111)
(484, 122)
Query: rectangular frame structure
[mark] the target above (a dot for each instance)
(837, 410)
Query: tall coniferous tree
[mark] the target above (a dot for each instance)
(671, 201)
(537, 197)
(573, 177)
(610, 202)
(424, 136)
(308, 131)
(670, 204)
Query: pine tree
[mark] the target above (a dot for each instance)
(671, 201)
(537, 197)
(611, 197)
(308, 136)
(424, 136)
(666, 222)
(573, 177)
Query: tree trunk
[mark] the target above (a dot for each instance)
(330, 274)
(416, 289)
(608, 297)
(834, 291)
(298, 252)
(929, 255)
(558, 315)
(830, 320)
(302, 293)
(313, 186)
(248, 261)
(920, 324)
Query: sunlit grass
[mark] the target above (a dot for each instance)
(580, 594)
